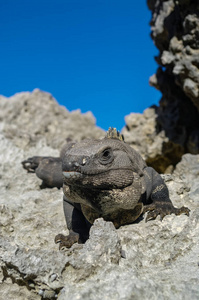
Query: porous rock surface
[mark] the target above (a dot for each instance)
(173, 126)
(153, 260)
(32, 116)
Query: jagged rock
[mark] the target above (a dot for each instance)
(144, 134)
(164, 133)
(175, 31)
(156, 260)
(33, 116)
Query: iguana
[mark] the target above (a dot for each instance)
(103, 178)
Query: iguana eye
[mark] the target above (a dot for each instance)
(106, 156)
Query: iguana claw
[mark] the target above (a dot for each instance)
(31, 163)
(162, 209)
(66, 241)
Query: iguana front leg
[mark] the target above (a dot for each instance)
(48, 169)
(77, 225)
(158, 201)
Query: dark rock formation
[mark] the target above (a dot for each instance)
(175, 124)
(175, 31)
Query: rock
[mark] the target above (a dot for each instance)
(175, 31)
(156, 260)
(144, 134)
(101, 249)
(162, 134)
(188, 170)
(34, 116)
(190, 88)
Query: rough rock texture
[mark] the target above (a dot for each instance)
(141, 132)
(173, 127)
(154, 260)
(33, 116)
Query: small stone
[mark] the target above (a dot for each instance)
(53, 277)
(167, 57)
(49, 294)
(41, 292)
(190, 87)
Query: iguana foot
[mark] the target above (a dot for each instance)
(31, 163)
(66, 241)
(163, 209)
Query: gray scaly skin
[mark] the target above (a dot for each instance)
(104, 178)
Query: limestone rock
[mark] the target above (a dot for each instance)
(156, 260)
(175, 31)
(150, 140)
(35, 116)
(162, 134)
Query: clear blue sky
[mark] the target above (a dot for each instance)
(89, 54)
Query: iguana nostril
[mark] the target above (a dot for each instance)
(73, 163)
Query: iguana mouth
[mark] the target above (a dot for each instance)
(72, 174)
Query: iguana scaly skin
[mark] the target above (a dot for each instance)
(103, 178)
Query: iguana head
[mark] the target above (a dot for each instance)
(101, 164)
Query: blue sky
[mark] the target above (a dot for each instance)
(89, 54)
